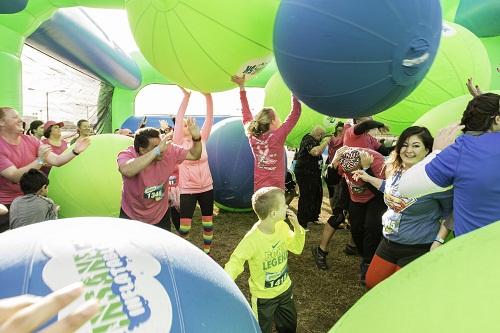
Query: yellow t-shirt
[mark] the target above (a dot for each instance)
(267, 256)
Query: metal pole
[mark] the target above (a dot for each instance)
(47, 100)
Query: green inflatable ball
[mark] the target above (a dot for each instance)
(461, 55)
(90, 185)
(279, 97)
(261, 79)
(492, 45)
(231, 209)
(451, 289)
(200, 44)
(445, 114)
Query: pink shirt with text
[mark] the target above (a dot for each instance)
(268, 149)
(145, 196)
(19, 156)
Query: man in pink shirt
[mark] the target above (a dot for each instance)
(146, 168)
(20, 153)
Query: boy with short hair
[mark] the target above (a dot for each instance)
(266, 247)
(33, 206)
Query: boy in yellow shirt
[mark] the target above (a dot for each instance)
(266, 247)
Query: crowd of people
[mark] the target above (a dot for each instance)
(401, 199)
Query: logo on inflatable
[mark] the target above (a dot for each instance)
(253, 67)
(121, 278)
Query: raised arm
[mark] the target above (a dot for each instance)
(194, 153)
(134, 166)
(245, 107)
(292, 118)
(178, 138)
(209, 118)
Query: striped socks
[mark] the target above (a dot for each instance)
(208, 232)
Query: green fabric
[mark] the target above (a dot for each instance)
(279, 97)
(445, 114)
(104, 109)
(200, 44)
(261, 79)
(231, 209)
(461, 55)
(492, 45)
(452, 289)
(90, 185)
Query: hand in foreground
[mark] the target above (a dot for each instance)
(474, 90)
(81, 144)
(193, 128)
(446, 136)
(26, 313)
(239, 80)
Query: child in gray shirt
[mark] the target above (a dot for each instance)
(33, 206)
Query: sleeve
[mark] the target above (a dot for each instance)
(291, 119)
(5, 162)
(124, 156)
(441, 170)
(235, 266)
(295, 239)
(51, 210)
(378, 166)
(415, 182)
(245, 108)
(179, 153)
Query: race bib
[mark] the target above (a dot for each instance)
(155, 193)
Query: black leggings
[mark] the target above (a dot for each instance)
(310, 198)
(366, 225)
(204, 199)
(164, 222)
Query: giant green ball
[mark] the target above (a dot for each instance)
(492, 45)
(452, 289)
(200, 44)
(278, 96)
(90, 184)
(461, 55)
(445, 114)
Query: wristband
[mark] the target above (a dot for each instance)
(40, 161)
(75, 153)
(439, 240)
(157, 151)
(196, 140)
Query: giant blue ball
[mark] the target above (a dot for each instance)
(351, 58)
(231, 164)
(147, 280)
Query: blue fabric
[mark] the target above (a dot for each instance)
(472, 166)
(410, 220)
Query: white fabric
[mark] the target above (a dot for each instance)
(416, 183)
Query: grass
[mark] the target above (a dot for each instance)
(321, 297)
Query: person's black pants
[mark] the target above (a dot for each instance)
(311, 196)
(164, 222)
(366, 225)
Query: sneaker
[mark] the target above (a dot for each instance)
(319, 257)
(351, 250)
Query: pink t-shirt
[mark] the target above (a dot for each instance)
(364, 140)
(358, 190)
(58, 150)
(268, 149)
(19, 156)
(195, 176)
(145, 196)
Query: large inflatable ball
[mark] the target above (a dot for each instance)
(146, 280)
(279, 97)
(261, 79)
(445, 114)
(452, 289)
(355, 58)
(461, 55)
(231, 164)
(200, 44)
(480, 17)
(90, 185)
(133, 122)
(492, 45)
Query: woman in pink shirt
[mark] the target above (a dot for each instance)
(19, 153)
(267, 138)
(195, 179)
(52, 134)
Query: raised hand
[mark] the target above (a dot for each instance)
(81, 144)
(193, 128)
(239, 80)
(43, 151)
(187, 93)
(446, 136)
(474, 90)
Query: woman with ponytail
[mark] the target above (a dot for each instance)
(470, 164)
(267, 138)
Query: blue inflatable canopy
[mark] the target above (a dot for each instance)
(73, 38)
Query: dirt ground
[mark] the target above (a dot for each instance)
(321, 297)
